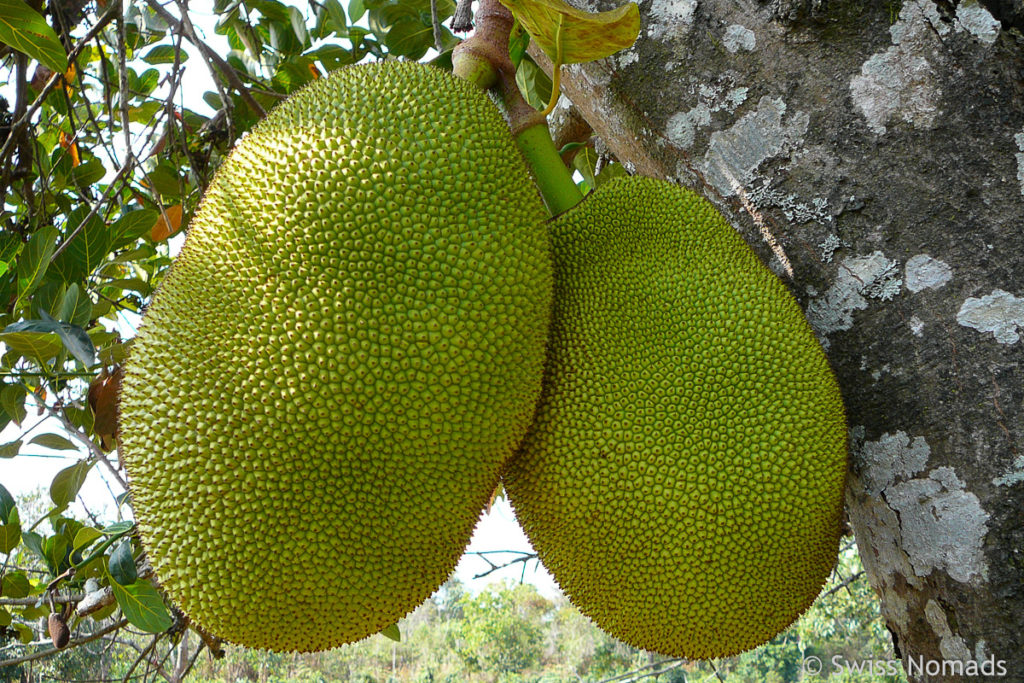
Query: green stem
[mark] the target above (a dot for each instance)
(489, 44)
(552, 177)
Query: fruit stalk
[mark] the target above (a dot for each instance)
(483, 59)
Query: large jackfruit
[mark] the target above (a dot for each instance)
(351, 342)
(683, 478)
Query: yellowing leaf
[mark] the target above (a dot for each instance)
(70, 145)
(569, 36)
(167, 224)
(102, 398)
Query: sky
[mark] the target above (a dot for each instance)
(36, 466)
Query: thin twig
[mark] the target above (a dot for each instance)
(31, 600)
(94, 450)
(143, 655)
(74, 643)
(523, 559)
(122, 86)
(16, 128)
(643, 671)
(436, 23)
(129, 162)
(192, 660)
(226, 69)
(846, 582)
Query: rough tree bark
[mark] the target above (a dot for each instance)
(882, 145)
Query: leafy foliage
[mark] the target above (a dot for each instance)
(105, 151)
(510, 633)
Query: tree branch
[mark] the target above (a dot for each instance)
(21, 123)
(71, 429)
(226, 69)
(74, 643)
(523, 559)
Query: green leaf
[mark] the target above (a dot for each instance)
(40, 346)
(54, 441)
(122, 565)
(145, 112)
(66, 485)
(55, 550)
(165, 54)
(533, 83)
(518, 41)
(569, 36)
(76, 308)
(142, 606)
(35, 259)
(25, 634)
(5, 617)
(164, 180)
(10, 245)
(337, 15)
(85, 537)
(90, 172)
(47, 297)
(86, 250)
(271, 9)
(72, 337)
(132, 285)
(331, 56)
(10, 536)
(12, 398)
(146, 82)
(16, 585)
(298, 24)
(409, 37)
(34, 542)
(118, 528)
(133, 225)
(213, 100)
(356, 10)
(25, 30)
(393, 633)
(6, 503)
(10, 523)
(585, 161)
(9, 450)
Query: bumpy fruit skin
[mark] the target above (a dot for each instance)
(683, 478)
(350, 344)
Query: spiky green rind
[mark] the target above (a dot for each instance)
(351, 343)
(683, 478)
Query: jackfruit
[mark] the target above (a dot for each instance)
(683, 478)
(349, 345)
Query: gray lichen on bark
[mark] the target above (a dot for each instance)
(885, 154)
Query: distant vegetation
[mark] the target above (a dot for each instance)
(511, 633)
(498, 634)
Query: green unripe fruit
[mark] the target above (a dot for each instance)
(683, 478)
(321, 396)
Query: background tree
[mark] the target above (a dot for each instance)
(872, 152)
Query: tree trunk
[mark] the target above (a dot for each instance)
(882, 145)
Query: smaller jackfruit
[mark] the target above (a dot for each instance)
(320, 397)
(683, 477)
